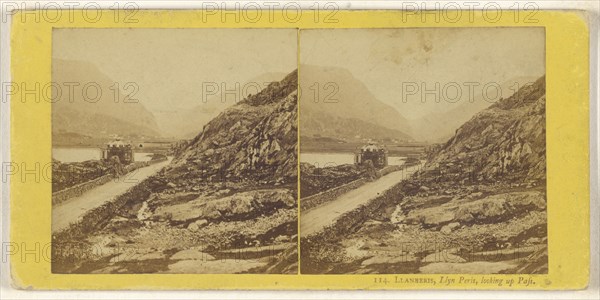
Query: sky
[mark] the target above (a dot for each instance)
(170, 65)
(387, 60)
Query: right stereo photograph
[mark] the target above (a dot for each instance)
(423, 150)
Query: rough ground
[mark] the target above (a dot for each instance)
(204, 235)
(485, 231)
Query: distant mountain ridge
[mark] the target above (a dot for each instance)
(104, 112)
(320, 124)
(336, 104)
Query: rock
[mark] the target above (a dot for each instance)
(171, 185)
(443, 257)
(385, 259)
(454, 225)
(438, 218)
(447, 229)
(240, 205)
(424, 189)
(463, 215)
(193, 227)
(137, 256)
(228, 266)
(281, 239)
(223, 192)
(475, 195)
(192, 254)
(478, 267)
(372, 222)
(201, 223)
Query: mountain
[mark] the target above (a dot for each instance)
(440, 126)
(506, 140)
(71, 127)
(336, 104)
(186, 123)
(317, 123)
(105, 110)
(255, 138)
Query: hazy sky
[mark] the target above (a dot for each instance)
(385, 58)
(169, 65)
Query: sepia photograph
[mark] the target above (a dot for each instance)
(174, 151)
(295, 148)
(423, 150)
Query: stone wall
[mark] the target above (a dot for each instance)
(352, 220)
(95, 218)
(326, 196)
(81, 188)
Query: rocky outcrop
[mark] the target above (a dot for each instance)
(504, 141)
(466, 211)
(255, 139)
(239, 206)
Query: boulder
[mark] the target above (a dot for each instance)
(447, 229)
(281, 239)
(195, 226)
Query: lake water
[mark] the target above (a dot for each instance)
(78, 154)
(335, 159)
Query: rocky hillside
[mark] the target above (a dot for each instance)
(333, 99)
(184, 122)
(506, 140)
(438, 127)
(254, 139)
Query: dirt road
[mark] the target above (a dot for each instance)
(316, 219)
(71, 210)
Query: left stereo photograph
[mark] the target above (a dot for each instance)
(174, 151)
